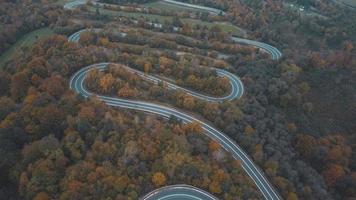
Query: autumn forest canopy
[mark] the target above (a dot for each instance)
(296, 118)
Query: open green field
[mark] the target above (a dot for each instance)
(62, 2)
(229, 28)
(130, 14)
(168, 6)
(25, 40)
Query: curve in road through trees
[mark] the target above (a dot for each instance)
(273, 51)
(189, 192)
(179, 192)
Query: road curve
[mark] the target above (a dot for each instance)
(256, 174)
(273, 51)
(76, 3)
(237, 88)
(179, 192)
(77, 84)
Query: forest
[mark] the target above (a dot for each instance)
(296, 118)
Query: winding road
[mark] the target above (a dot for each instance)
(179, 192)
(185, 191)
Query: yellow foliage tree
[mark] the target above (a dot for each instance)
(158, 179)
(292, 196)
(186, 101)
(147, 67)
(107, 82)
(127, 92)
(165, 62)
(104, 41)
(214, 187)
(219, 175)
(193, 127)
(249, 130)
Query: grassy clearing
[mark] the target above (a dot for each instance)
(167, 6)
(62, 2)
(229, 28)
(226, 27)
(151, 17)
(24, 41)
